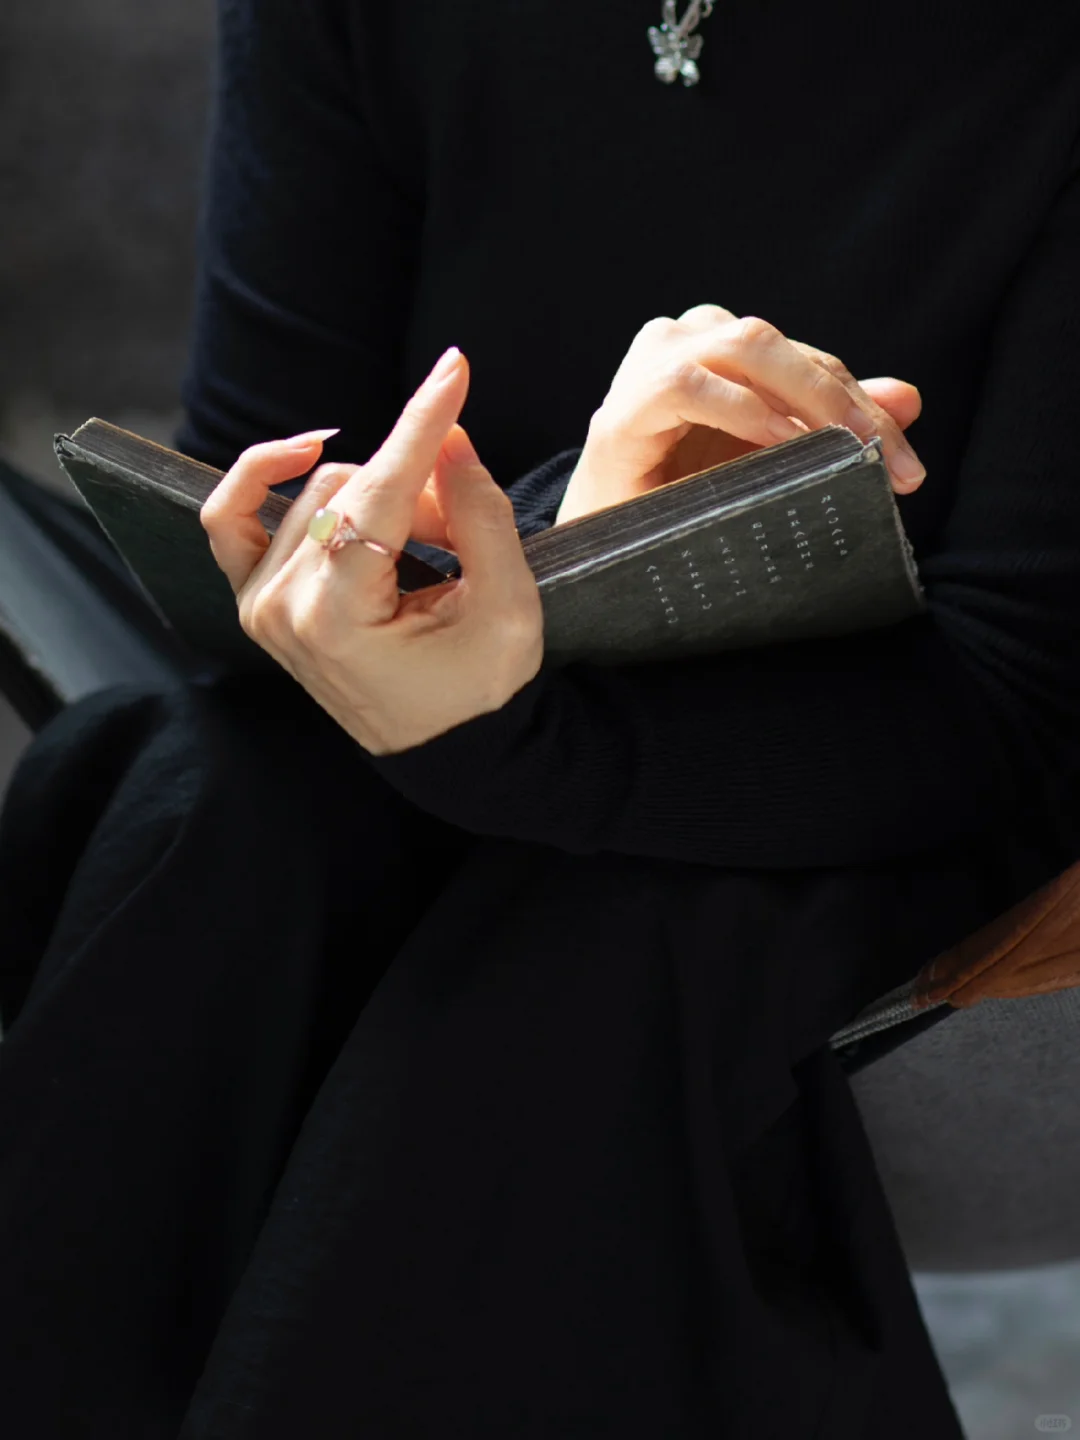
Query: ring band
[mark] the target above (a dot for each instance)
(342, 532)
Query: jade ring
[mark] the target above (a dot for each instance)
(332, 531)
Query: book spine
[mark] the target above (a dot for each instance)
(824, 557)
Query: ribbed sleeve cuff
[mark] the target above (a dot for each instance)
(453, 774)
(536, 496)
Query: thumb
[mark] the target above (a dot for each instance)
(481, 526)
(429, 523)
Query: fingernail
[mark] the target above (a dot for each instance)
(446, 364)
(857, 419)
(458, 448)
(302, 442)
(780, 426)
(906, 465)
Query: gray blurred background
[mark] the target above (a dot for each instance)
(103, 107)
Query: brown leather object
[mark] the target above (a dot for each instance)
(1031, 949)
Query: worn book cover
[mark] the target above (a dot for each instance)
(798, 539)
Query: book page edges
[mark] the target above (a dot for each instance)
(271, 512)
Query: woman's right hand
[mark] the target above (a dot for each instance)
(697, 391)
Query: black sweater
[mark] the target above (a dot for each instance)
(388, 180)
(379, 1126)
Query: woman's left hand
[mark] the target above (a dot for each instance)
(698, 391)
(393, 670)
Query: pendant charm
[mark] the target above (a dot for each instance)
(674, 43)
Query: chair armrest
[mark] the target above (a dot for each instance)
(1032, 948)
(70, 622)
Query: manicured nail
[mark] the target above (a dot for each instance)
(446, 365)
(781, 427)
(906, 464)
(304, 442)
(857, 419)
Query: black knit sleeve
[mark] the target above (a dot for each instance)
(536, 497)
(847, 750)
(308, 240)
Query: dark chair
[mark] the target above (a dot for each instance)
(72, 617)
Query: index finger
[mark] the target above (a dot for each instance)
(812, 392)
(230, 513)
(899, 456)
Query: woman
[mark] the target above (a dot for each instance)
(439, 1045)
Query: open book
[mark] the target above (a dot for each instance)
(795, 540)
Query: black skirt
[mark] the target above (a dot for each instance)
(319, 1117)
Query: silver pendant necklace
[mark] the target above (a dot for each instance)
(674, 43)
